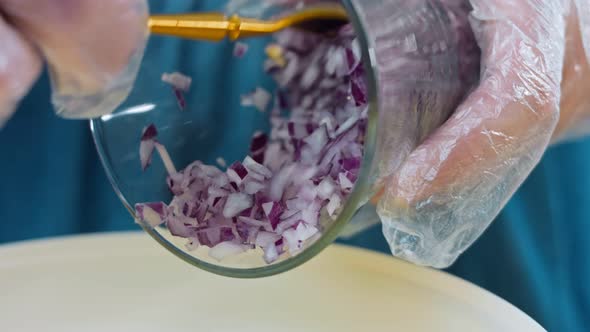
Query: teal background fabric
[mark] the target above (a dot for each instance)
(536, 254)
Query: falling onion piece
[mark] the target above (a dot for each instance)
(147, 146)
(165, 158)
(180, 84)
(259, 98)
(240, 49)
(304, 168)
(178, 81)
(180, 99)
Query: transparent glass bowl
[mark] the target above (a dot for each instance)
(215, 125)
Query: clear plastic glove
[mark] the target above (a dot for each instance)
(92, 48)
(533, 89)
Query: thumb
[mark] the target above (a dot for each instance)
(452, 186)
(93, 48)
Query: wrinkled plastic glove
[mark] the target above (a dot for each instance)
(534, 90)
(92, 49)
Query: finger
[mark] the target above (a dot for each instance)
(93, 48)
(20, 66)
(453, 185)
(575, 100)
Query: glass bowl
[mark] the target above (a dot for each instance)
(214, 125)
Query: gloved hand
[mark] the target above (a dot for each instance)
(92, 48)
(534, 90)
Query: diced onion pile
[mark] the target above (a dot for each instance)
(294, 178)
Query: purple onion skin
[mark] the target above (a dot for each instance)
(149, 133)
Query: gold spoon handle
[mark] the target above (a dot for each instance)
(204, 26)
(216, 26)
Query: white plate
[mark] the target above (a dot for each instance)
(125, 282)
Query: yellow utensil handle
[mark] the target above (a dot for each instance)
(209, 26)
(204, 26)
(217, 26)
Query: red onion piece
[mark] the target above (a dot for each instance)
(151, 214)
(273, 212)
(240, 49)
(345, 183)
(226, 249)
(265, 239)
(253, 166)
(178, 81)
(179, 226)
(237, 172)
(180, 100)
(221, 162)
(165, 158)
(334, 204)
(259, 98)
(147, 145)
(236, 203)
(295, 237)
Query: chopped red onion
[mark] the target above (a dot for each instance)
(240, 49)
(236, 203)
(255, 167)
(326, 188)
(280, 181)
(192, 244)
(272, 252)
(345, 182)
(180, 100)
(147, 146)
(237, 172)
(273, 212)
(317, 140)
(336, 60)
(181, 226)
(303, 169)
(152, 214)
(311, 213)
(149, 133)
(259, 98)
(350, 164)
(254, 222)
(226, 249)
(253, 187)
(310, 76)
(264, 239)
(178, 81)
(295, 237)
(285, 224)
(353, 56)
(334, 204)
(358, 92)
(165, 158)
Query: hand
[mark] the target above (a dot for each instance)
(533, 89)
(92, 48)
